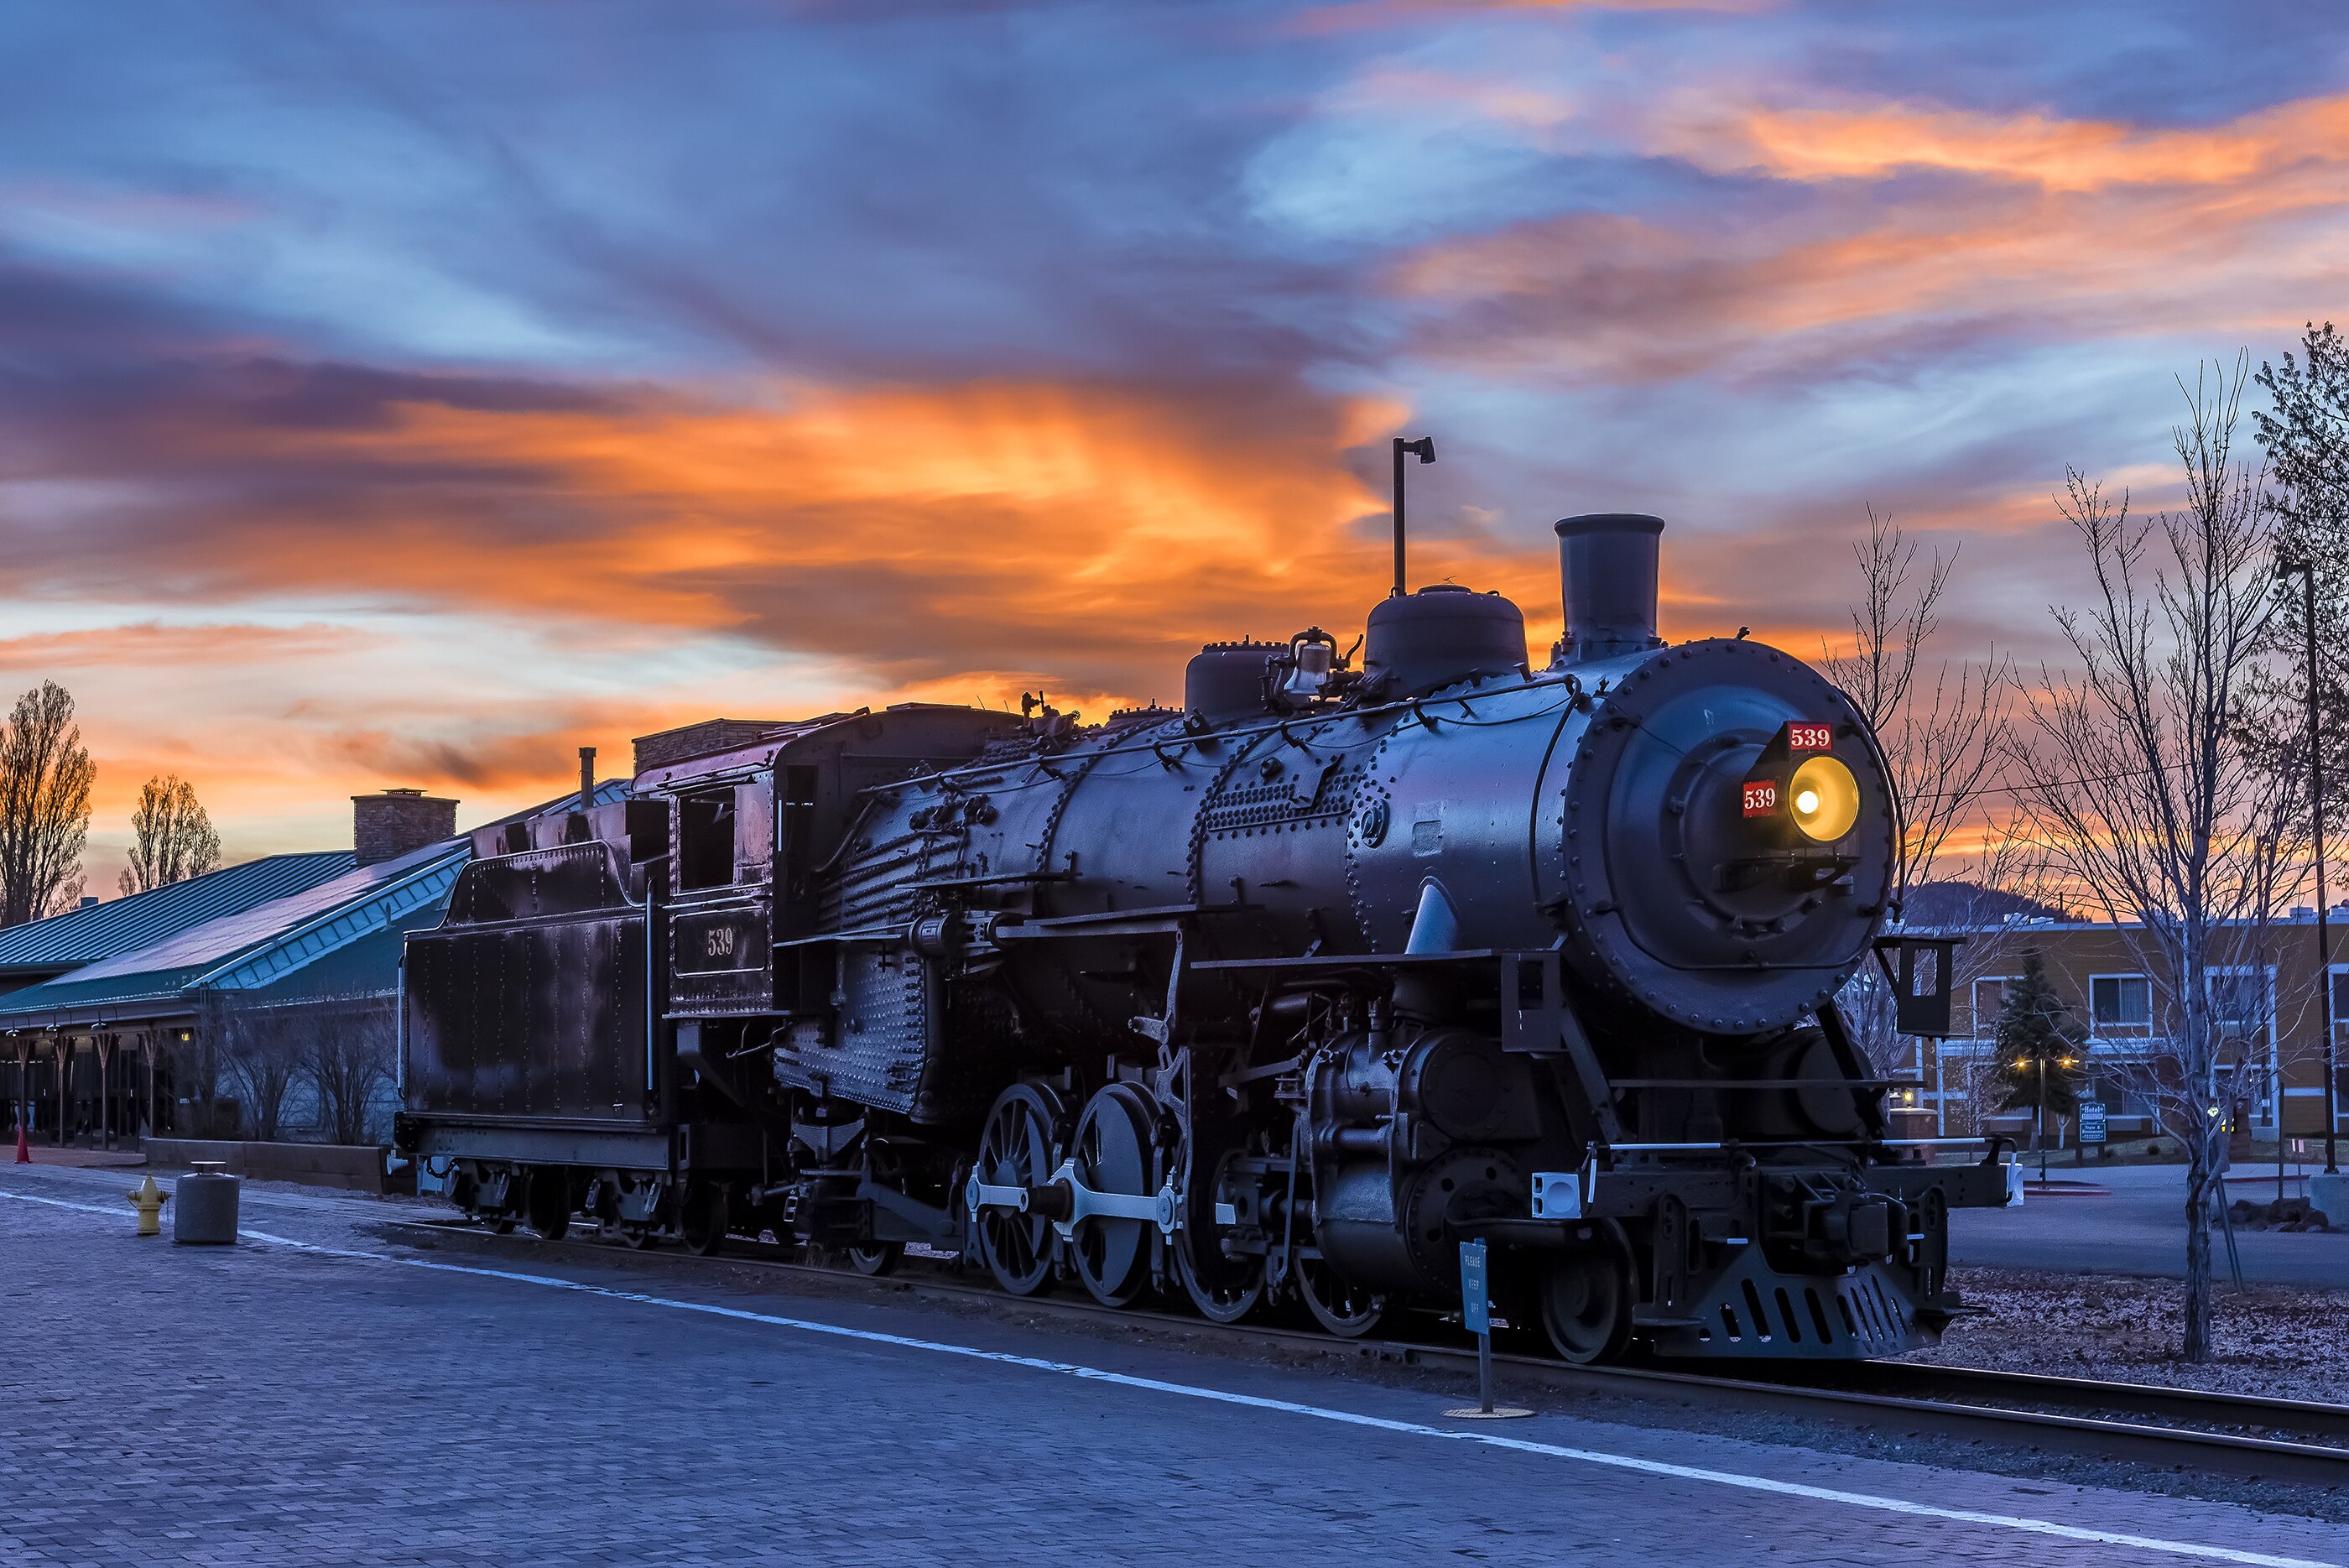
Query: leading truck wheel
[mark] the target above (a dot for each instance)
(879, 1259)
(1585, 1304)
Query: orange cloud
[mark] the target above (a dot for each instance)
(1085, 532)
(2054, 153)
(1366, 15)
(154, 642)
(1609, 298)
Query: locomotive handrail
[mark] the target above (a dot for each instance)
(1768, 1083)
(1238, 732)
(1350, 960)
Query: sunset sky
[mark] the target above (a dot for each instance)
(409, 394)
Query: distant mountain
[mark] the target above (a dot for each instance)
(1963, 904)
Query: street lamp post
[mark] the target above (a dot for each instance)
(1422, 449)
(2306, 572)
(2039, 1111)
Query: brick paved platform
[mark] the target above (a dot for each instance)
(75, 1156)
(284, 1406)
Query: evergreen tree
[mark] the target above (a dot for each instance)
(2033, 1025)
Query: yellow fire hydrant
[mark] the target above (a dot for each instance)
(150, 1201)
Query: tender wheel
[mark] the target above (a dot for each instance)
(882, 1258)
(1016, 1149)
(548, 1209)
(1344, 1308)
(1115, 1152)
(1586, 1304)
(703, 1226)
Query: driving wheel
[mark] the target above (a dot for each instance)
(1015, 1148)
(1115, 1151)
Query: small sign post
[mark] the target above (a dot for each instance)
(2092, 1121)
(1476, 1316)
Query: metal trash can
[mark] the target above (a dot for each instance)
(203, 1207)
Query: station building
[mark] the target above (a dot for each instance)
(2272, 1011)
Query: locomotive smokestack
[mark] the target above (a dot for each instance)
(1607, 561)
(586, 778)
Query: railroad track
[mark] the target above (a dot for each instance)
(2173, 1428)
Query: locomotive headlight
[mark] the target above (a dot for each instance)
(1826, 799)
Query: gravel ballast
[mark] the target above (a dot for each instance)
(2276, 1341)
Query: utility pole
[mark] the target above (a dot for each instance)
(2305, 571)
(1425, 449)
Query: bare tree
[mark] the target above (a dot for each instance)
(1945, 745)
(348, 1057)
(1948, 746)
(2139, 785)
(46, 774)
(260, 1050)
(172, 837)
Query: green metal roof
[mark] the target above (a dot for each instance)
(41, 949)
(242, 952)
(266, 944)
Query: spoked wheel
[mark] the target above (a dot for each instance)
(1115, 1152)
(1224, 1291)
(500, 1224)
(703, 1223)
(1344, 1308)
(1225, 1288)
(1586, 1304)
(1016, 1149)
(881, 1257)
(548, 1210)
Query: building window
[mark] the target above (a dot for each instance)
(2239, 998)
(2340, 996)
(2120, 1000)
(1990, 1001)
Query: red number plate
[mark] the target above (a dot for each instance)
(1760, 797)
(1810, 737)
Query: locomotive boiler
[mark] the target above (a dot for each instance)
(1274, 998)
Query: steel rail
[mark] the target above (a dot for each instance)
(1909, 1398)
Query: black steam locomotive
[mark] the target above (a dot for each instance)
(1275, 998)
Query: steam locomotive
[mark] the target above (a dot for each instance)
(1272, 1000)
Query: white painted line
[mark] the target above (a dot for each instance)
(1742, 1482)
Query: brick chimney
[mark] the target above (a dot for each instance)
(390, 824)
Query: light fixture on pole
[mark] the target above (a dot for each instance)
(2286, 569)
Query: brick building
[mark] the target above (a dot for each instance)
(2271, 1013)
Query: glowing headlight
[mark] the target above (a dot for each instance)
(1826, 799)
